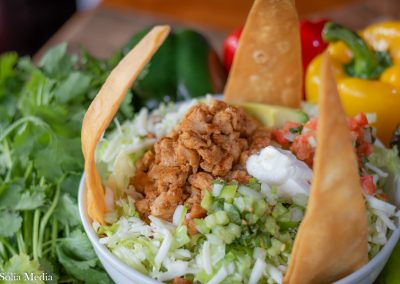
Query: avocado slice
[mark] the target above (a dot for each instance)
(273, 116)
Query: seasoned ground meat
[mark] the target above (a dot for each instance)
(212, 141)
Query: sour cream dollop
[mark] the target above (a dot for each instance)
(280, 168)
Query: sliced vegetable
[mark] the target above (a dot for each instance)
(364, 73)
(273, 116)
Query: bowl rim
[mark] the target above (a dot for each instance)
(359, 274)
(94, 239)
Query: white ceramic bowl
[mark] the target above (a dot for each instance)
(122, 273)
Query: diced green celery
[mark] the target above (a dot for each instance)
(233, 213)
(243, 203)
(203, 277)
(251, 218)
(206, 202)
(239, 203)
(254, 185)
(181, 237)
(223, 234)
(221, 217)
(234, 229)
(271, 226)
(285, 217)
(201, 226)
(300, 200)
(286, 238)
(286, 225)
(276, 247)
(296, 214)
(260, 207)
(253, 181)
(217, 188)
(228, 192)
(259, 253)
(243, 265)
(183, 216)
(219, 232)
(279, 210)
(108, 230)
(211, 221)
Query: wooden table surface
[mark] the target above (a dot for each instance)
(109, 26)
(222, 14)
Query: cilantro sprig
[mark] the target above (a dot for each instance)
(41, 109)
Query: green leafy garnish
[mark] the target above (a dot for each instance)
(41, 110)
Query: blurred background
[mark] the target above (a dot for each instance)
(26, 25)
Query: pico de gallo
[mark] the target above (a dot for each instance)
(300, 139)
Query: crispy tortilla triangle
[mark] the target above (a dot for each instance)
(104, 107)
(267, 65)
(332, 238)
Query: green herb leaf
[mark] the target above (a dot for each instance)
(67, 211)
(10, 194)
(79, 259)
(74, 86)
(21, 265)
(10, 222)
(30, 200)
(56, 62)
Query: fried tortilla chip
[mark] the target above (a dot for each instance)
(332, 238)
(267, 65)
(104, 107)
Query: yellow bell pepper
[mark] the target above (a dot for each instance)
(367, 71)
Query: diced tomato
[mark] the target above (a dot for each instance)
(357, 122)
(279, 136)
(365, 149)
(360, 135)
(311, 124)
(368, 186)
(361, 119)
(352, 123)
(359, 161)
(302, 149)
(290, 124)
(383, 196)
(354, 135)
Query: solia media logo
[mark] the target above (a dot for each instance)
(27, 276)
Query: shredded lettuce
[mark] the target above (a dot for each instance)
(241, 223)
(384, 158)
(249, 231)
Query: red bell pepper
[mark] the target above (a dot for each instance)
(312, 43)
(230, 45)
